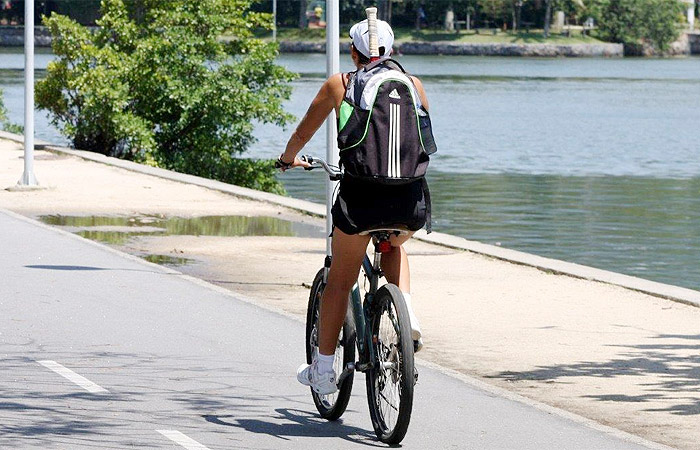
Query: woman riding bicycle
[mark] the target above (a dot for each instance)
(360, 206)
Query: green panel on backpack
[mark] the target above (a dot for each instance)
(346, 110)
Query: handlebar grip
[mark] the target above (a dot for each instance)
(307, 159)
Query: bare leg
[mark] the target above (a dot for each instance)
(395, 267)
(348, 252)
(395, 264)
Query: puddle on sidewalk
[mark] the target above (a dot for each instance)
(165, 260)
(113, 229)
(118, 230)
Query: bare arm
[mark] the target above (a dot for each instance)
(421, 92)
(326, 100)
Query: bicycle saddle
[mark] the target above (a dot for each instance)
(399, 230)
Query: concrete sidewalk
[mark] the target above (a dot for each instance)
(108, 351)
(613, 355)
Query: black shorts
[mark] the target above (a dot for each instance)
(363, 206)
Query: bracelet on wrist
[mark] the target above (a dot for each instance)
(281, 164)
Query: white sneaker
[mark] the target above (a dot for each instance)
(415, 325)
(418, 345)
(321, 383)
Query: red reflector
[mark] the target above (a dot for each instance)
(384, 247)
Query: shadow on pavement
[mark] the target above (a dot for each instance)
(55, 267)
(676, 367)
(297, 423)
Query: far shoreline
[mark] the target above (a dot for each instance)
(469, 49)
(687, 45)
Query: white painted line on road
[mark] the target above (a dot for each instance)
(182, 440)
(74, 377)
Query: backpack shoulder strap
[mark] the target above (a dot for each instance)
(396, 66)
(350, 87)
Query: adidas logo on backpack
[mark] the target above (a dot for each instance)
(384, 132)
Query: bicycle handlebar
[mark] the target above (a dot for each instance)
(333, 174)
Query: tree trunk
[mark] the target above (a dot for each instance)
(382, 10)
(302, 14)
(547, 17)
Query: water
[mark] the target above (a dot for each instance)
(12, 85)
(594, 161)
(118, 230)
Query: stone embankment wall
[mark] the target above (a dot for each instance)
(687, 44)
(573, 50)
(12, 36)
(448, 48)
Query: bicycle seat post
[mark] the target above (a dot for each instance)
(382, 244)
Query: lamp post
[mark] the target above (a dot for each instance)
(332, 67)
(274, 20)
(28, 179)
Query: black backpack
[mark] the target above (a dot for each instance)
(384, 132)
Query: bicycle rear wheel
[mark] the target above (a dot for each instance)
(330, 406)
(390, 383)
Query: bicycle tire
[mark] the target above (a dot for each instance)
(390, 316)
(331, 406)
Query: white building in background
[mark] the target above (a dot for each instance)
(690, 13)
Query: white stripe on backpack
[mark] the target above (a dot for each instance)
(394, 141)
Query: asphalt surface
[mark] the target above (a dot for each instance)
(100, 350)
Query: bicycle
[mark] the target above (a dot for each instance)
(380, 328)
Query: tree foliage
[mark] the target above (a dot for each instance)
(3, 110)
(497, 10)
(156, 84)
(633, 21)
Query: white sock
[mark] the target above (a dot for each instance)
(407, 299)
(415, 326)
(324, 363)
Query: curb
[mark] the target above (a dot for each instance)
(675, 293)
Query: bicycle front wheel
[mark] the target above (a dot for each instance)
(390, 383)
(330, 406)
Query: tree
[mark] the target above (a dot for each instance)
(496, 10)
(547, 17)
(158, 85)
(302, 14)
(632, 22)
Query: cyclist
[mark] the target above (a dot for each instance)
(359, 207)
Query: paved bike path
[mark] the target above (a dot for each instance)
(176, 364)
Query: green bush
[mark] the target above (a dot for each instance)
(633, 22)
(156, 84)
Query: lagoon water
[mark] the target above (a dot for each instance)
(594, 161)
